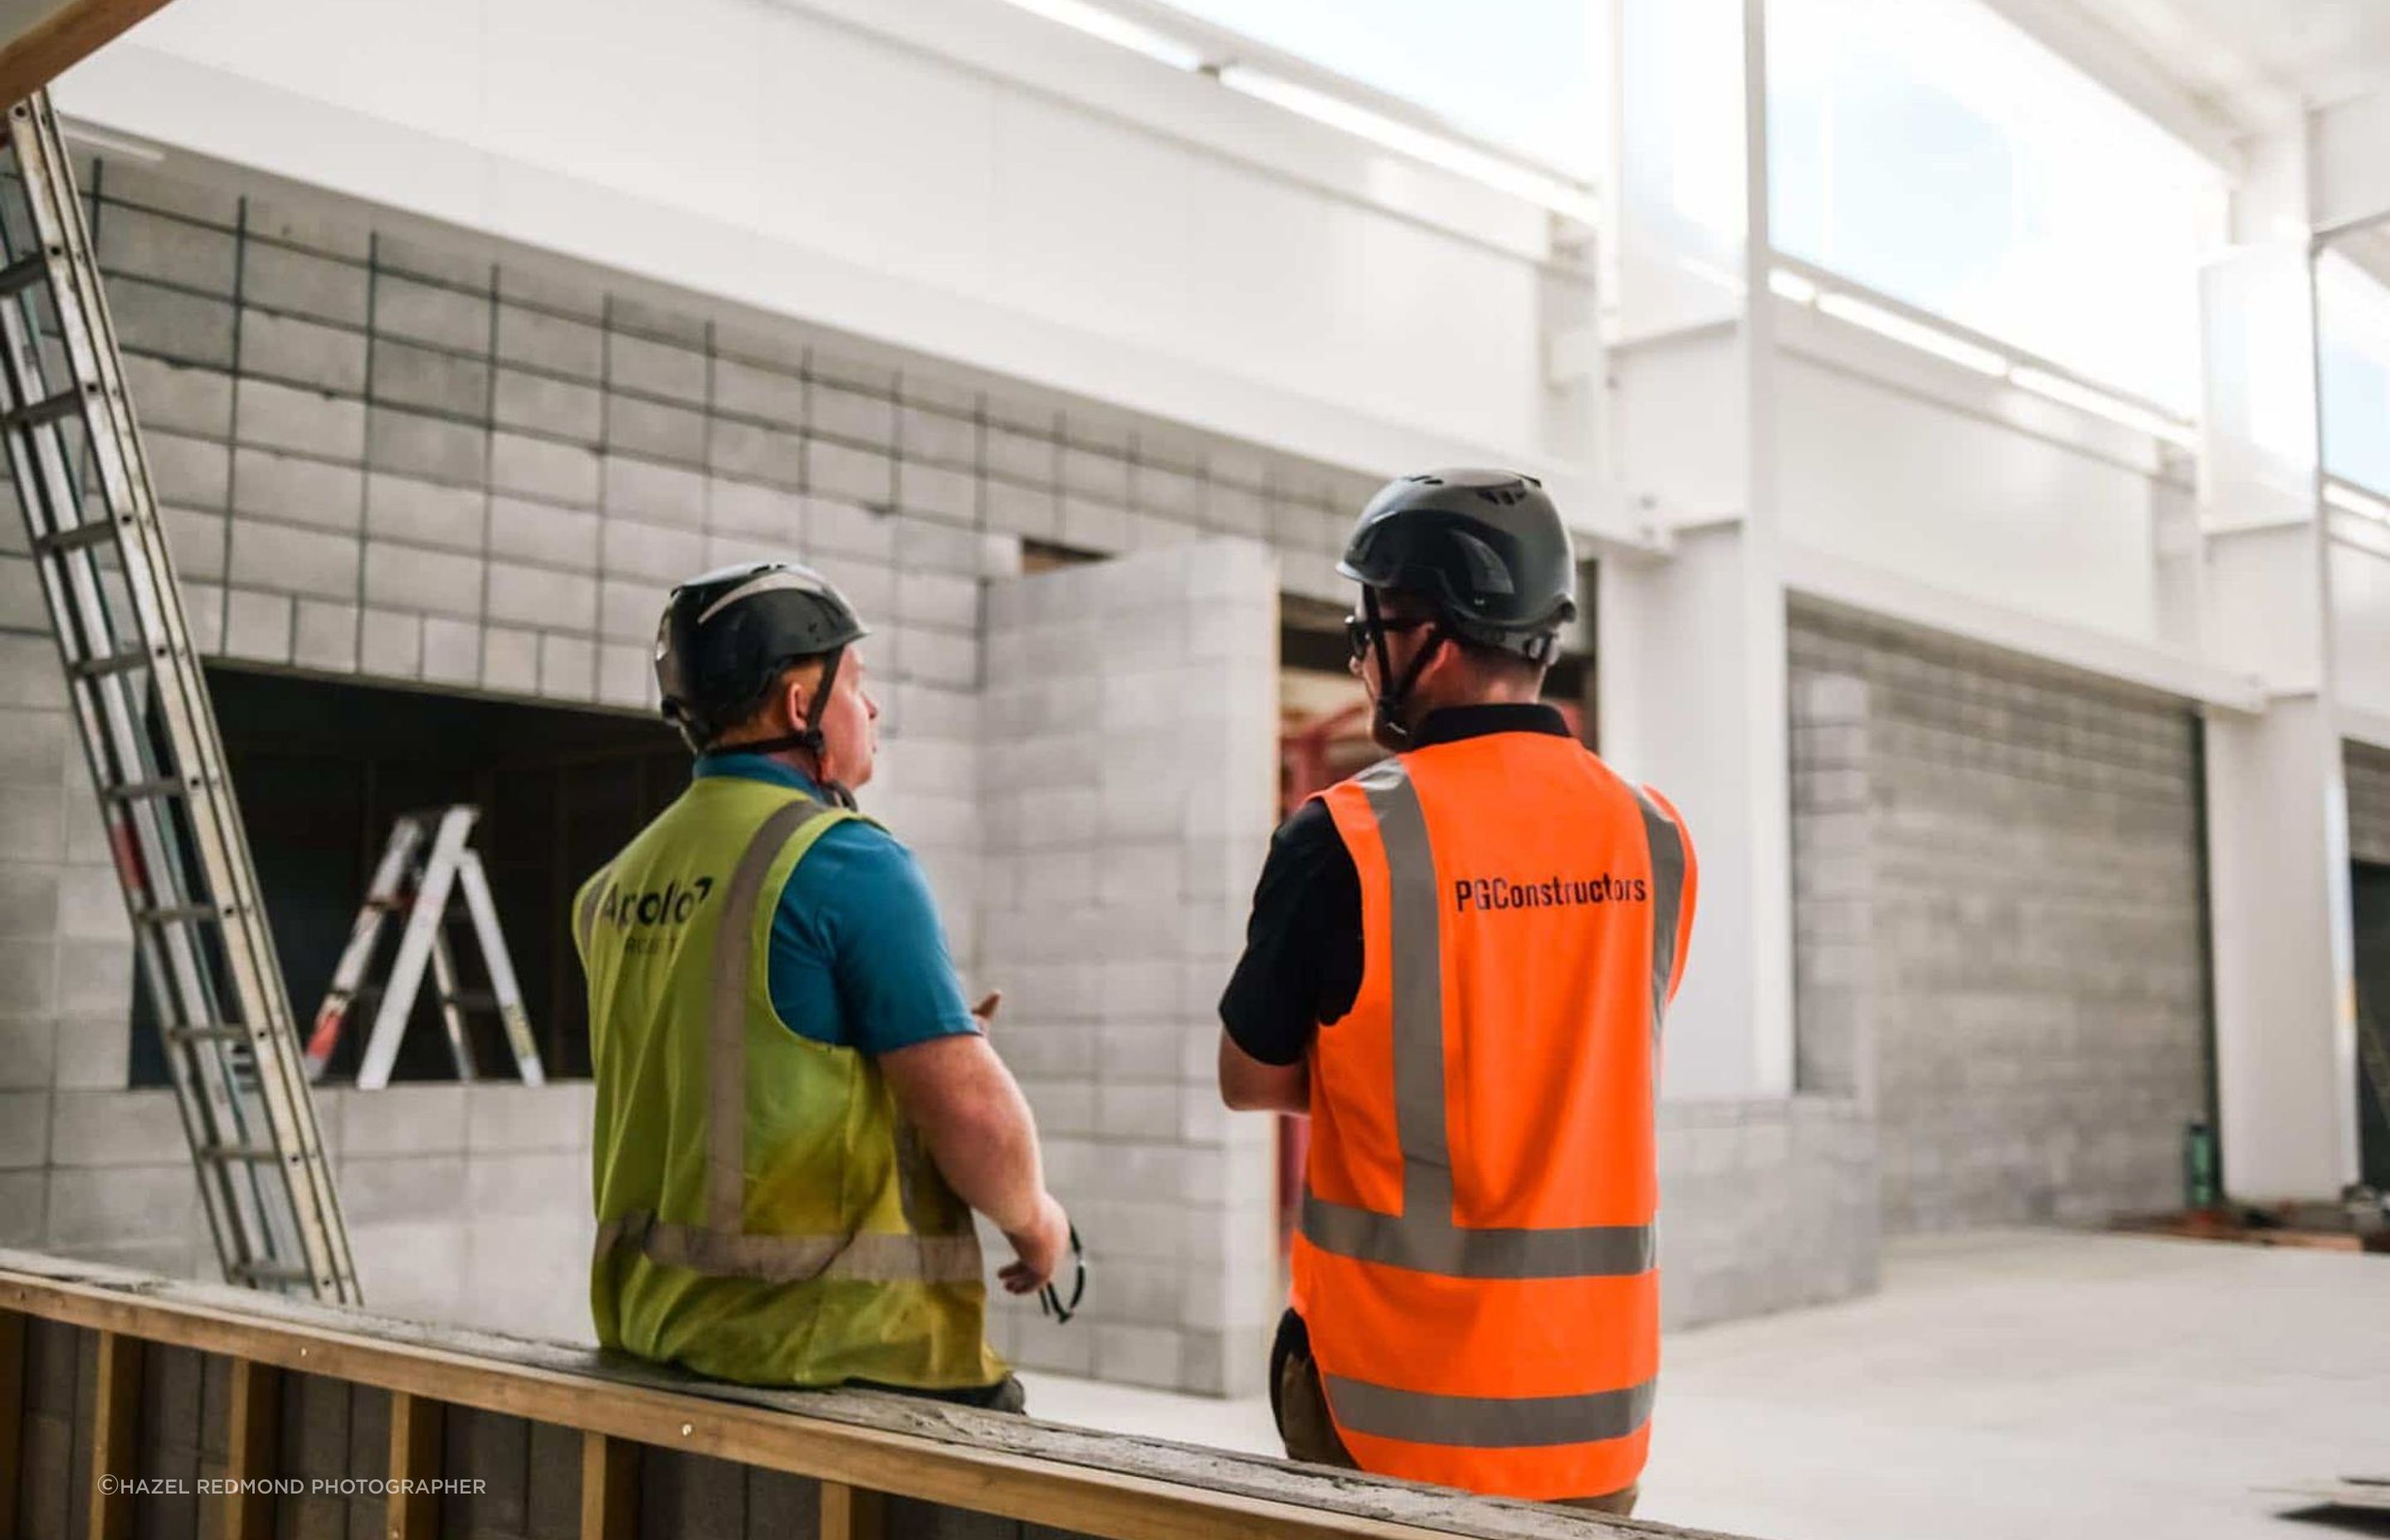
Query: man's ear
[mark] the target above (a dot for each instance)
(796, 695)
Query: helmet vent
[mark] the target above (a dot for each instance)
(1510, 497)
(1488, 573)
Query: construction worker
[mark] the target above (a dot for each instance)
(1456, 965)
(795, 1110)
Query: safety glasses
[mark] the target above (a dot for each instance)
(1358, 629)
(1050, 1299)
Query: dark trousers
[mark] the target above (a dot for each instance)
(1309, 1433)
(1005, 1396)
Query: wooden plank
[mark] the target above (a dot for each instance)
(12, 1416)
(926, 1458)
(252, 1440)
(115, 1435)
(852, 1513)
(46, 36)
(413, 1459)
(610, 1488)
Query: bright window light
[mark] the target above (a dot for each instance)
(1917, 334)
(1112, 27)
(2348, 499)
(1786, 284)
(1419, 144)
(2353, 348)
(1931, 151)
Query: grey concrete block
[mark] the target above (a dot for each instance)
(431, 379)
(545, 405)
(424, 513)
(28, 673)
(655, 552)
(91, 904)
(257, 626)
(143, 245)
(755, 453)
(31, 819)
(1093, 474)
(408, 577)
(541, 468)
(500, 1186)
(511, 661)
(1088, 525)
(303, 284)
(429, 312)
(281, 416)
(452, 651)
(746, 509)
(191, 328)
(28, 1052)
(538, 595)
(654, 429)
(626, 673)
(434, 448)
(127, 182)
(855, 475)
(204, 613)
(665, 321)
(303, 352)
(950, 495)
(22, 605)
(937, 437)
(390, 644)
(866, 420)
(659, 493)
(395, 1189)
(316, 226)
(94, 1206)
(116, 1128)
(568, 667)
(22, 1205)
(551, 289)
(28, 900)
(627, 610)
(24, 1129)
(292, 561)
(502, 1118)
(197, 541)
(542, 532)
(191, 473)
(297, 490)
(166, 394)
(650, 368)
(551, 343)
(835, 528)
(1034, 512)
(441, 259)
(324, 636)
(754, 390)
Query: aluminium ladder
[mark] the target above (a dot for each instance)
(148, 732)
(426, 864)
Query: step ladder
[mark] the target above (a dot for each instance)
(426, 866)
(148, 732)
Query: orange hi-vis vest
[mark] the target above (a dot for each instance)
(1475, 1260)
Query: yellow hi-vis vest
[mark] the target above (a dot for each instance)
(763, 1212)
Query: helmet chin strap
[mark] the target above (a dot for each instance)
(810, 741)
(1394, 694)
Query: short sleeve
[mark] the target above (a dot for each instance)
(1302, 963)
(858, 909)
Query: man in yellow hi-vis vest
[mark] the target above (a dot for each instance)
(795, 1111)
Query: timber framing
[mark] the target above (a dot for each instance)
(880, 1465)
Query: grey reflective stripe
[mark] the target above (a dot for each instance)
(725, 1052)
(1487, 1422)
(584, 921)
(871, 1256)
(1424, 1236)
(1668, 843)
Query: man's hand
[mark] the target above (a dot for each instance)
(984, 1012)
(1038, 1250)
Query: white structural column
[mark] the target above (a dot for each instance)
(2278, 840)
(1692, 646)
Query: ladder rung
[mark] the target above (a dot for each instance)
(133, 791)
(474, 999)
(268, 1272)
(66, 404)
(254, 1154)
(207, 1034)
(24, 273)
(80, 537)
(174, 913)
(115, 662)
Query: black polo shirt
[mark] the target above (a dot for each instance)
(1302, 966)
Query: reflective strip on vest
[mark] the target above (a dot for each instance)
(1488, 1422)
(721, 1247)
(1668, 843)
(1424, 1237)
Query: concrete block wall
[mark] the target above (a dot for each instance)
(1765, 1204)
(1998, 870)
(1128, 796)
(2367, 770)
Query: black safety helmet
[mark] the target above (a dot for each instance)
(726, 636)
(1484, 549)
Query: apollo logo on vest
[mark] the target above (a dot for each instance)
(670, 904)
(1488, 894)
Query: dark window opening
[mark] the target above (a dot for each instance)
(322, 768)
(2369, 891)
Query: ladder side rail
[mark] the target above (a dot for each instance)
(348, 975)
(414, 948)
(474, 878)
(219, 842)
(452, 1011)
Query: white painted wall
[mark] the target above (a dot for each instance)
(2360, 612)
(952, 175)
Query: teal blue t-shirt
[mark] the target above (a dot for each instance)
(858, 957)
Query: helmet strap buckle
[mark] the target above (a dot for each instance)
(1393, 694)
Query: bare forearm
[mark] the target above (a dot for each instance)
(988, 1154)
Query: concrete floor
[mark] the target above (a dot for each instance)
(2040, 1384)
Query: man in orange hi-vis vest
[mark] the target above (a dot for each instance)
(1456, 964)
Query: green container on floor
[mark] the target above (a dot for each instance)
(2200, 1190)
